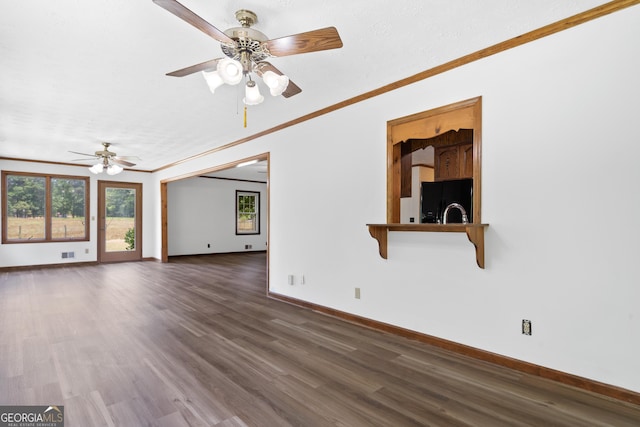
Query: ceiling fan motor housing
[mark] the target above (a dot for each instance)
(247, 39)
(105, 153)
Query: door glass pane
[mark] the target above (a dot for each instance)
(120, 223)
(68, 208)
(25, 207)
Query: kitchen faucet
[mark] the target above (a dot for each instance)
(458, 206)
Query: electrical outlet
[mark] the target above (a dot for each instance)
(357, 293)
(302, 280)
(86, 251)
(208, 245)
(526, 327)
(290, 279)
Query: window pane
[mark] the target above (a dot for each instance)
(68, 208)
(25, 207)
(246, 222)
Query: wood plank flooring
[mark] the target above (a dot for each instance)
(195, 342)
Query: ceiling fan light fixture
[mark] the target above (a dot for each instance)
(97, 168)
(213, 79)
(277, 83)
(252, 94)
(113, 170)
(230, 71)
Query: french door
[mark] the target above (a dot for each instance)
(119, 221)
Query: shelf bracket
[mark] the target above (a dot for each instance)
(380, 234)
(475, 233)
(476, 236)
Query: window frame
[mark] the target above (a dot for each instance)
(48, 216)
(428, 124)
(256, 212)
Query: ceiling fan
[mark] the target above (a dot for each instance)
(246, 50)
(106, 160)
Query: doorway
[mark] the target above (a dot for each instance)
(119, 221)
(222, 172)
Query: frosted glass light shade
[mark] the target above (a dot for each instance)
(252, 94)
(114, 170)
(230, 71)
(213, 79)
(97, 168)
(277, 84)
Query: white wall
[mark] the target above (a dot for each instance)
(559, 166)
(201, 211)
(410, 207)
(28, 254)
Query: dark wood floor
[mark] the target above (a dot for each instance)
(195, 342)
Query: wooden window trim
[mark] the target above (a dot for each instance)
(428, 124)
(48, 208)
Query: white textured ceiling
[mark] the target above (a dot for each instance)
(74, 73)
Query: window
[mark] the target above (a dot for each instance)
(44, 208)
(247, 212)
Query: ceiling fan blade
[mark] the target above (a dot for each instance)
(122, 162)
(187, 15)
(292, 88)
(195, 68)
(312, 41)
(83, 154)
(127, 157)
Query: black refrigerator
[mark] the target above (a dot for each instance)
(436, 196)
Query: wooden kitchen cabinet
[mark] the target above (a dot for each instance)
(466, 160)
(453, 162)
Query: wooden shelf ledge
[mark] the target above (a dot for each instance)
(475, 233)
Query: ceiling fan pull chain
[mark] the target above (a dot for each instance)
(245, 116)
